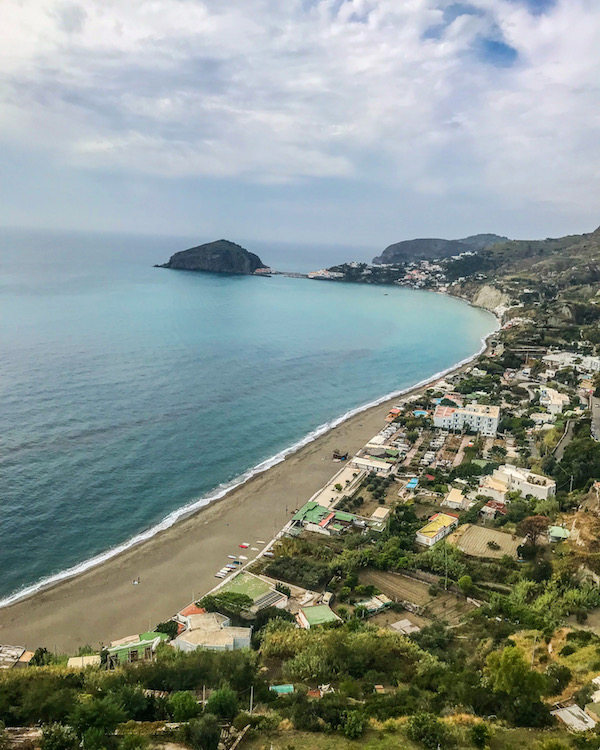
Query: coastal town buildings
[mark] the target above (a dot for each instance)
(134, 648)
(438, 526)
(476, 417)
(14, 657)
(552, 400)
(560, 360)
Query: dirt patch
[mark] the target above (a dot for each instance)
(476, 540)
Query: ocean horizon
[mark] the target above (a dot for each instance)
(132, 396)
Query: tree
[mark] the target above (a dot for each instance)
(183, 706)
(169, 627)
(41, 657)
(480, 736)
(227, 602)
(223, 703)
(203, 733)
(4, 741)
(465, 583)
(58, 737)
(533, 527)
(509, 673)
(100, 713)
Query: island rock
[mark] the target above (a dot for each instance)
(221, 256)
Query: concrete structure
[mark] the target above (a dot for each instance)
(575, 718)
(542, 417)
(314, 517)
(370, 463)
(455, 500)
(405, 627)
(318, 614)
(554, 401)
(380, 514)
(12, 657)
(375, 603)
(477, 417)
(81, 662)
(212, 631)
(559, 360)
(439, 526)
(525, 481)
(262, 593)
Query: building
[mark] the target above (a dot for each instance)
(14, 657)
(314, 517)
(375, 604)
(439, 526)
(559, 360)
(508, 478)
(575, 718)
(558, 534)
(554, 401)
(212, 631)
(476, 417)
(81, 662)
(262, 593)
(134, 648)
(456, 500)
(317, 614)
(380, 466)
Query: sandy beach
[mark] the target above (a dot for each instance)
(179, 564)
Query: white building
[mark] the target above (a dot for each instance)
(456, 500)
(370, 463)
(439, 526)
(477, 417)
(580, 363)
(212, 631)
(510, 478)
(554, 401)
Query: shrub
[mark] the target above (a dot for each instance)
(480, 735)
(203, 733)
(223, 703)
(58, 737)
(183, 706)
(169, 627)
(429, 731)
(354, 725)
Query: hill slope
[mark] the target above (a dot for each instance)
(427, 249)
(221, 256)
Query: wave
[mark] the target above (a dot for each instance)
(193, 507)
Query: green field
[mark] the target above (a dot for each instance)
(247, 584)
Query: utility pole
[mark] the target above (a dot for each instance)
(251, 698)
(533, 650)
(446, 565)
(571, 485)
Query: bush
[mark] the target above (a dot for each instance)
(429, 731)
(480, 735)
(183, 706)
(169, 627)
(223, 703)
(58, 737)
(558, 676)
(203, 733)
(354, 725)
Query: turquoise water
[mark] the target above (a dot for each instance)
(128, 393)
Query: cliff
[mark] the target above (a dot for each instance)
(221, 256)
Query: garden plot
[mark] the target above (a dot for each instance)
(479, 541)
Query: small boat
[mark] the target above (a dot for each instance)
(243, 557)
(232, 557)
(220, 575)
(260, 541)
(254, 549)
(244, 545)
(269, 554)
(237, 562)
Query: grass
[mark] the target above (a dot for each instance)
(503, 739)
(247, 584)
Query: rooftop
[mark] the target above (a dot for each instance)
(246, 583)
(319, 614)
(212, 629)
(436, 523)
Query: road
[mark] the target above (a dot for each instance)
(595, 408)
(566, 438)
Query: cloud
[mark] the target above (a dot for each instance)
(432, 96)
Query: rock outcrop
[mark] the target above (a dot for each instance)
(221, 256)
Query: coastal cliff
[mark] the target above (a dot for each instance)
(221, 256)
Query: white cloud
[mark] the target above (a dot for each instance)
(282, 90)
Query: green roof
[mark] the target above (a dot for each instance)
(559, 531)
(311, 513)
(319, 614)
(341, 515)
(150, 636)
(480, 462)
(246, 583)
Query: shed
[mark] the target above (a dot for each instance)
(317, 614)
(558, 533)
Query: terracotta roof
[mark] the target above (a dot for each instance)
(192, 609)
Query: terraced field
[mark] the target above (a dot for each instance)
(445, 606)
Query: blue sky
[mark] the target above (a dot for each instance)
(343, 121)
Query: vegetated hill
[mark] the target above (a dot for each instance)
(428, 249)
(221, 256)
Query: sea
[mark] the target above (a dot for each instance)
(132, 395)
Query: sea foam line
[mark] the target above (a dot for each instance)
(187, 510)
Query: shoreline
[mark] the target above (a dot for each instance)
(202, 512)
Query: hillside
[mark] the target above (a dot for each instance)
(428, 249)
(221, 256)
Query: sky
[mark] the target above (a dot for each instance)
(358, 122)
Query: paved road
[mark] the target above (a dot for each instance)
(595, 418)
(564, 441)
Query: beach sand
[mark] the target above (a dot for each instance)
(178, 564)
